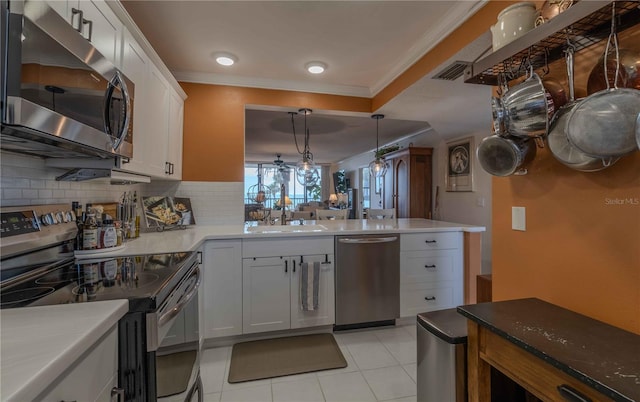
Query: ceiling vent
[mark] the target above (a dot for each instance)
(453, 71)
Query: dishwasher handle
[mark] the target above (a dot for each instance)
(367, 240)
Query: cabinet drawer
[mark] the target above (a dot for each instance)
(287, 246)
(538, 377)
(431, 241)
(430, 266)
(428, 297)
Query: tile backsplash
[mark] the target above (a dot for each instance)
(25, 180)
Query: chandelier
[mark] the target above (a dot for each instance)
(378, 167)
(306, 170)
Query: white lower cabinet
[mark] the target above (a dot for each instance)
(271, 283)
(272, 293)
(92, 377)
(431, 272)
(222, 288)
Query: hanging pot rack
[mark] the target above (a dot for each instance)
(587, 22)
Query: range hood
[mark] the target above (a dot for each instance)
(82, 169)
(114, 176)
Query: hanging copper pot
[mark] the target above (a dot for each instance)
(551, 8)
(628, 63)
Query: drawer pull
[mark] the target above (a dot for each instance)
(571, 394)
(430, 241)
(430, 266)
(430, 298)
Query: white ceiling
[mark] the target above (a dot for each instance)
(366, 44)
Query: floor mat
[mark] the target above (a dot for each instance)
(284, 356)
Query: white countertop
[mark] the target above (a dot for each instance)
(40, 343)
(192, 237)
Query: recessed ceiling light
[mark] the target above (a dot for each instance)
(316, 67)
(225, 59)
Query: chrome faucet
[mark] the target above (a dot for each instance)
(283, 217)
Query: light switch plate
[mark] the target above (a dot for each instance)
(518, 218)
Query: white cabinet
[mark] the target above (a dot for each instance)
(266, 297)
(156, 130)
(135, 65)
(271, 283)
(92, 377)
(222, 288)
(431, 272)
(174, 142)
(95, 21)
(158, 114)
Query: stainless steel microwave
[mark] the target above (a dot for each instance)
(59, 96)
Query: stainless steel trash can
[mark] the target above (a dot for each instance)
(442, 356)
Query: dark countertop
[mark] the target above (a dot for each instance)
(603, 356)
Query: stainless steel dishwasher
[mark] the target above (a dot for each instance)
(367, 280)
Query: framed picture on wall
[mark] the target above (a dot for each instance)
(460, 155)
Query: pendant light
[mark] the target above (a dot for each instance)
(306, 170)
(378, 167)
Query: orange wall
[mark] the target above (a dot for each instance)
(580, 251)
(214, 125)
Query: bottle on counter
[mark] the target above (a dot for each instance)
(108, 234)
(90, 233)
(77, 210)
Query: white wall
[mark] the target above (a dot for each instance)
(460, 207)
(25, 180)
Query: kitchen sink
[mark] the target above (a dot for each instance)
(286, 228)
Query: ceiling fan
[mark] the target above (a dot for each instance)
(280, 164)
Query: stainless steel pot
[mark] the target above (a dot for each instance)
(603, 124)
(559, 146)
(528, 108)
(505, 156)
(497, 112)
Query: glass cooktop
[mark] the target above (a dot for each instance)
(143, 279)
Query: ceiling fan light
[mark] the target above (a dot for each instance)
(225, 59)
(316, 67)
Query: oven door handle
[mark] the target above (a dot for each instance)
(164, 318)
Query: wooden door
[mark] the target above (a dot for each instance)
(401, 186)
(388, 186)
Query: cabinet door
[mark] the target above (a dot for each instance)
(388, 191)
(266, 299)
(401, 186)
(325, 313)
(222, 309)
(157, 125)
(63, 7)
(135, 65)
(102, 28)
(174, 147)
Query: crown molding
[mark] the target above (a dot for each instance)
(461, 12)
(267, 83)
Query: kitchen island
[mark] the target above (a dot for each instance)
(552, 352)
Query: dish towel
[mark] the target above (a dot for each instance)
(309, 283)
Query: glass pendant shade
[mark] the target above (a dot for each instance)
(307, 173)
(378, 167)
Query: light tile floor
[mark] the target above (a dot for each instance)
(381, 367)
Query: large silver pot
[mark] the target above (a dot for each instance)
(560, 146)
(528, 108)
(505, 156)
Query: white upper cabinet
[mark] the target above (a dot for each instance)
(158, 108)
(95, 21)
(174, 145)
